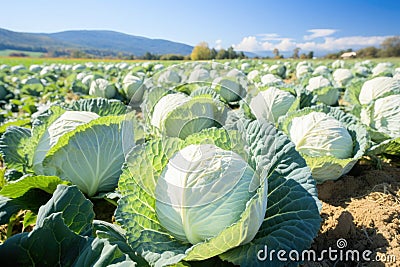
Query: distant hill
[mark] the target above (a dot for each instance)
(92, 41)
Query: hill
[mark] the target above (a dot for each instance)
(90, 41)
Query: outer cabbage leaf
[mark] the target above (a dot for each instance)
(19, 187)
(67, 122)
(100, 106)
(91, 156)
(390, 146)
(14, 148)
(58, 240)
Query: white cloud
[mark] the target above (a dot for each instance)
(270, 37)
(252, 44)
(270, 41)
(218, 44)
(249, 43)
(318, 33)
(332, 44)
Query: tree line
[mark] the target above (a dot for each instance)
(390, 47)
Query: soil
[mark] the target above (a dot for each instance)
(361, 211)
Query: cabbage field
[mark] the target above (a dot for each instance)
(231, 163)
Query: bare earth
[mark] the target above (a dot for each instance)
(363, 208)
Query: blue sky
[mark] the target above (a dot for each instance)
(252, 25)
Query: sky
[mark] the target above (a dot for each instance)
(252, 25)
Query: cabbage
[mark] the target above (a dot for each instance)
(133, 87)
(30, 80)
(206, 196)
(330, 141)
(3, 91)
(180, 115)
(378, 87)
(164, 106)
(383, 69)
(182, 206)
(168, 77)
(324, 90)
(361, 71)
(317, 134)
(17, 69)
(342, 76)
(91, 156)
(279, 70)
(321, 70)
(384, 115)
(272, 104)
(271, 80)
(302, 69)
(252, 75)
(35, 68)
(338, 64)
(198, 75)
(67, 122)
(89, 78)
(230, 88)
(102, 88)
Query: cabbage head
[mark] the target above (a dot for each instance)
(230, 88)
(384, 115)
(180, 115)
(67, 122)
(323, 90)
(133, 88)
(272, 104)
(102, 88)
(196, 180)
(330, 141)
(377, 88)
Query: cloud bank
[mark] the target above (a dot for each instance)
(317, 40)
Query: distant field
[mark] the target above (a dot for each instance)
(36, 60)
(4, 59)
(7, 52)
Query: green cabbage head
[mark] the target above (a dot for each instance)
(330, 140)
(197, 180)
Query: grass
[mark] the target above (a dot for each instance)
(40, 60)
(7, 52)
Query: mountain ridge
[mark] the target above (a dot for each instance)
(102, 41)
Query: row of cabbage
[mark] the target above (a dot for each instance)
(206, 162)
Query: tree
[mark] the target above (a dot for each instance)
(310, 55)
(171, 57)
(222, 54)
(296, 52)
(276, 53)
(303, 56)
(391, 47)
(231, 53)
(214, 53)
(201, 52)
(241, 55)
(369, 52)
